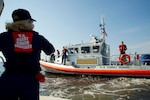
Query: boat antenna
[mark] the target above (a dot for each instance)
(102, 26)
(101, 39)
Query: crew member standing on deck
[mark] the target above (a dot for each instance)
(64, 55)
(21, 47)
(58, 54)
(122, 49)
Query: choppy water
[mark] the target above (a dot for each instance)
(95, 87)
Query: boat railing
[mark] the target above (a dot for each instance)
(106, 56)
(114, 59)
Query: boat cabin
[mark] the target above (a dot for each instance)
(88, 54)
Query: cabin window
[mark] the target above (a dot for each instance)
(95, 49)
(85, 49)
(76, 50)
(71, 51)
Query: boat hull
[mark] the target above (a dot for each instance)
(119, 71)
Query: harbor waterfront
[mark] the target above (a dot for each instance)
(80, 87)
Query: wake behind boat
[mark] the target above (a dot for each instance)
(94, 58)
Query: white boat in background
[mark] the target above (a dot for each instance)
(94, 58)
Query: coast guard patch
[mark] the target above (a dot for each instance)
(23, 41)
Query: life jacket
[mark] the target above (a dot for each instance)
(122, 47)
(137, 57)
(64, 51)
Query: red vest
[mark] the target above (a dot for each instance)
(122, 47)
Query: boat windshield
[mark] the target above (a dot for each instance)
(85, 49)
(95, 49)
(73, 50)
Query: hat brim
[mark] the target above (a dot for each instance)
(33, 19)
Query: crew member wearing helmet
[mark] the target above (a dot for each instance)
(21, 47)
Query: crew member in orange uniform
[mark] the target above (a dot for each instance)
(122, 48)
